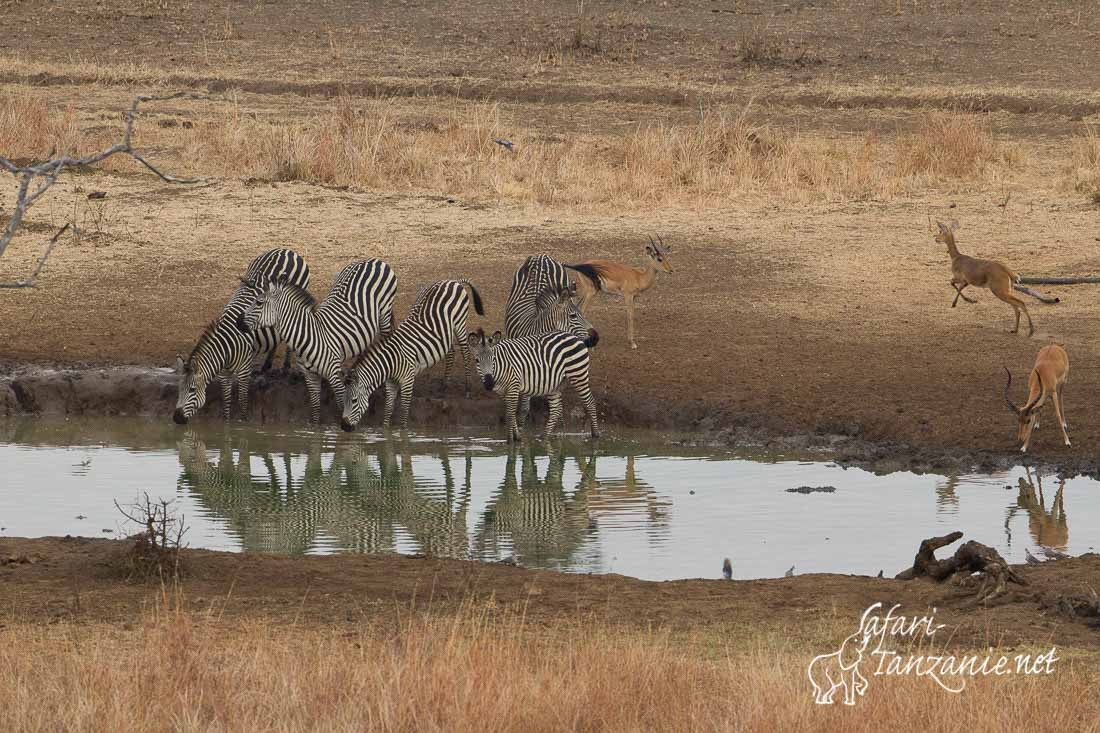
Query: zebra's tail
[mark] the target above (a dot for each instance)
(590, 272)
(478, 308)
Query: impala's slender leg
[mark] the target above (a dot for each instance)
(629, 298)
(1059, 414)
(1061, 392)
(959, 294)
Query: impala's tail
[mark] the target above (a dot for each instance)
(589, 271)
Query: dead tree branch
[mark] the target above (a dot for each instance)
(1050, 299)
(1059, 280)
(35, 179)
(971, 557)
(29, 281)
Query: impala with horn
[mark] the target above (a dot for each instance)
(619, 278)
(1047, 380)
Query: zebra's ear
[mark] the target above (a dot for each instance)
(181, 366)
(496, 338)
(475, 338)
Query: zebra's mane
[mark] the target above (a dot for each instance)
(301, 293)
(205, 338)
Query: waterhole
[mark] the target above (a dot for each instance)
(634, 505)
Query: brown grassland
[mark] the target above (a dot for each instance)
(792, 154)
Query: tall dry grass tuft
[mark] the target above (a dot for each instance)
(477, 669)
(30, 129)
(947, 145)
(1082, 173)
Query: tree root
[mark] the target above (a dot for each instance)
(971, 557)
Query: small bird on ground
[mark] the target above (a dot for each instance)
(1031, 559)
(727, 569)
(502, 142)
(790, 572)
(1051, 554)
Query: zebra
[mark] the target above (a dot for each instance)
(435, 324)
(534, 366)
(528, 313)
(222, 350)
(226, 352)
(358, 308)
(275, 264)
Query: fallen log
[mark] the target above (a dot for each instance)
(1036, 294)
(971, 557)
(1059, 280)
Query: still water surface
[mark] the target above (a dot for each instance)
(638, 507)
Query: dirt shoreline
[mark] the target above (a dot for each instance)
(144, 391)
(50, 579)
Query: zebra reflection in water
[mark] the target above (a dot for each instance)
(534, 520)
(258, 513)
(389, 503)
(365, 500)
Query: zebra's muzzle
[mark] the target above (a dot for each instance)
(489, 382)
(593, 338)
(178, 417)
(347, 425)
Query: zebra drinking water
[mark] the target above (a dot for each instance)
(534, 366)
(223, 350)
(435, 324)
(323, 335)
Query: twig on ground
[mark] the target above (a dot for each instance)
(36, 178)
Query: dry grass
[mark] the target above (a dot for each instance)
(30, 129)
(476, 670)
(1083, 170)
(717, 157)
(955, 145)
(714, 159)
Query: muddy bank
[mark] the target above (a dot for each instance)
(278, 397)
(51, 578)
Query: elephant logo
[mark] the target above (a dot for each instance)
(839, 670)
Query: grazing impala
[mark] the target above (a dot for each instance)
(966, 271)
(616, 277)
(1048, 379)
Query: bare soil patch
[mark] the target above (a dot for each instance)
(79, 579)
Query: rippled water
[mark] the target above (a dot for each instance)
(638, 507)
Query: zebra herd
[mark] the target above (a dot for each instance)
(545, 344)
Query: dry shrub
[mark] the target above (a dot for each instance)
(947, 145)
(1083, 171)
(30, 129)
(475, 670)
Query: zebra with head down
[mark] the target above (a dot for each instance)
(225, 351)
